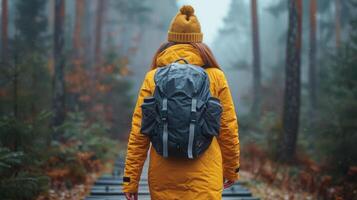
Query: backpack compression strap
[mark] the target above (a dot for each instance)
(165, 132)
(191, 129)
(191, 135)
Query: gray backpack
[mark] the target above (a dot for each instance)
(182, 117)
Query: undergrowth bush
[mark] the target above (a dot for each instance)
(31, 161)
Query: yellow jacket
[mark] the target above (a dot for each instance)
(172, 178)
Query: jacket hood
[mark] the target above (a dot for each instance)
(175, 52)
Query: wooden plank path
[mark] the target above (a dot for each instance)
(109, 187)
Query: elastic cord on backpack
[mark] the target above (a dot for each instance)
(181, 59)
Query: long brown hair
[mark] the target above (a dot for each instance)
(205, 52)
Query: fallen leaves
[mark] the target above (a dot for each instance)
(304, 180)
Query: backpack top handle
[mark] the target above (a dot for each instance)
(181, 59)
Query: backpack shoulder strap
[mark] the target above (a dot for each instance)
(165, 134)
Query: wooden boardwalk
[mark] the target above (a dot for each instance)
(109, 187)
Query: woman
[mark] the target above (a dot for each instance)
(172, 178)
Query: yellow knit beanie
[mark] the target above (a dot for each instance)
(185, 27)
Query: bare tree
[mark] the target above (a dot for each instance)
(256, 61)
(58, 101)
(4, 30)
(77, 43)
(88, 35)
(312, 59)
(292, 82)
(98, 32)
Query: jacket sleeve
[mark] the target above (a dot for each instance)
(228, 138)
(138, 144)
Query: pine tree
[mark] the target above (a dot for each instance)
(31, 47)
(31, 37)
(291, 108)
(4, 31)
(77, 42)
(256, 61)
(98, 31)
(337, 126)
(58, 101)
(338, 23)
(312, 59)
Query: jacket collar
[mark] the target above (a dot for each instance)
(175, 52)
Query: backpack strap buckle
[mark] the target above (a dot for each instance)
(193, 110)
(164, 116)
(193, 117)
(164, 110)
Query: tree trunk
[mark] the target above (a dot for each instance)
(34, 91)
(338, 23)
(98, 32)
(312, 60)
(292, 83)
(256, 61)
(58, 102)
(15, 86)
(14, 90)
(88, 36)
(77, 42)
(15, 75)
(4, 31)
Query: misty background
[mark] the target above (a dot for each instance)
(71, 71)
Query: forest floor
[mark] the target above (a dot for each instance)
(259, 187)
(267, 191)
(79, 191)
(59, 191)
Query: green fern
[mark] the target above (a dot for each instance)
(9, 159)
(23, 186)
(15, 182)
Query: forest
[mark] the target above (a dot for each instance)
(70, 71)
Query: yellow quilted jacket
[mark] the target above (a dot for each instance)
(171, 178)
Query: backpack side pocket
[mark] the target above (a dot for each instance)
(149, 115)
(212, 117)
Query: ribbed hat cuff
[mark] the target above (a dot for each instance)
(184, 37)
